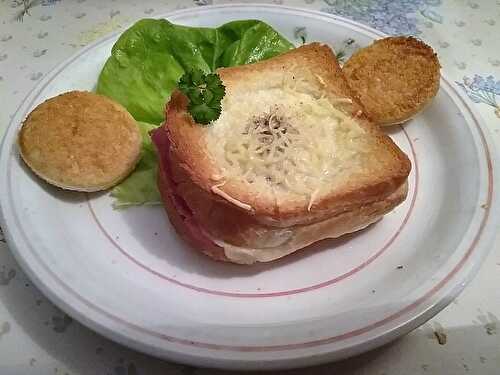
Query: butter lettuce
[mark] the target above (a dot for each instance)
(147, 61)
(140, 186)
(149, 58)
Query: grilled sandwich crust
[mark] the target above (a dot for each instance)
(238, 237)
(379, 168)
(394, 78)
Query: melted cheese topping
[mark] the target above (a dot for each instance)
(285, 138)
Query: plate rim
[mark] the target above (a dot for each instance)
(97, 325)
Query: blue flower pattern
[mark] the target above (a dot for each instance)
(49, 2)
(392, 17)
(482, 90)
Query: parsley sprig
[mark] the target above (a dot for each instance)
(205, 93)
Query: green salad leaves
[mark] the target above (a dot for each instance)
(140, 186)
(146, 64)
(149, 58)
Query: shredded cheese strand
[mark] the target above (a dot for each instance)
(215, 189)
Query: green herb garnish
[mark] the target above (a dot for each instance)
(205, 93)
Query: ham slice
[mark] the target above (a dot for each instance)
(178, 210)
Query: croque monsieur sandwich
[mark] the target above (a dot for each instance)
(291, 160)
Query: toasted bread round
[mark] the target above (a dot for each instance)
(80, 141)
(394, 78)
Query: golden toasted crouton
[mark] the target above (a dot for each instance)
(394, 78)
(80, 141)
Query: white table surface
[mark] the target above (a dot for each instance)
(37, 338)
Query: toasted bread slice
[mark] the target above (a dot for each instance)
(80, 141)
(224, 232)
(292, 145)
(394, 78)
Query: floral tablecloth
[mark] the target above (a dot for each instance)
(37, 338)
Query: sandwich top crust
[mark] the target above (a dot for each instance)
(292, 145)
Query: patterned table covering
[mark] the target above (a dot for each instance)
(37, 338)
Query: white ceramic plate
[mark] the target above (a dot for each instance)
(128, 276)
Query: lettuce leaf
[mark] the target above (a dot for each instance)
(140, 187)
(149, 58)
(147, 61)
